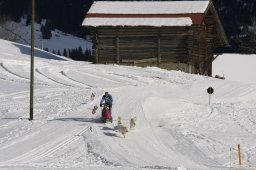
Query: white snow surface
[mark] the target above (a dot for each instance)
(155, 22)
(176, 128)
(148, 7)
(236, 67)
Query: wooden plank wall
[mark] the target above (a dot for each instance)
(202, 40)
(191, 45)
(139, 43)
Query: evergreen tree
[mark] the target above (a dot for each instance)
(46, 30)
(28, 20)
(65, 52)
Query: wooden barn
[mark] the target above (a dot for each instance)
(174, 35)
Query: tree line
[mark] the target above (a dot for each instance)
(74, 54)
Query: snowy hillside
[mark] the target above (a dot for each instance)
(20, 33)
(176, 126)
(236, 67)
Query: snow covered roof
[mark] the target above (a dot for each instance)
(145, 13)
(148, 7)
(156, 22)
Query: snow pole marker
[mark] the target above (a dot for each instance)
(230, 149)
(209, 99)
(239, 155)
(210, 90)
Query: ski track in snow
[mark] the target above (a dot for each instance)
(46, 149)
(175, 124)
(16, 75)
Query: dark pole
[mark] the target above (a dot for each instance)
(32, 61)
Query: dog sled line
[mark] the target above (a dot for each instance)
(122, 129)
(106, 117)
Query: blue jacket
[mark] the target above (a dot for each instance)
(108, 100)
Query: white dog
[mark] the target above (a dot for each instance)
(133, 123)
(119, 121)
(122, 130)
(120, 127)
(119, 124)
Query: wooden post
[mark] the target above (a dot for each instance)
(189, 68)
(159, 49)
(96, 55)
(32, 62)
(117, 50)
(239, 155)
(230, 157)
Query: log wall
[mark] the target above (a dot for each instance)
(166, 47)
(129, 43)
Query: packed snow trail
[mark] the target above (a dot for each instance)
(176, 127)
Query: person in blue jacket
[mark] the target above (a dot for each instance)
(107, 99)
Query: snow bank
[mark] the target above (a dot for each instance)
(236, 67)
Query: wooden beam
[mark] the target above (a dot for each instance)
(158, 48)
(140, 61)
(95, 48)
(117, 50)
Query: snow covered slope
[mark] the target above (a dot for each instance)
(176, 126)
(236, 67)
(20, 33)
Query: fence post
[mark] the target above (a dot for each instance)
(239, 155)
(230, 157)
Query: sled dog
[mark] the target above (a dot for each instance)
(92, 96)
(122, 130)
(133, 123)
(119, 124)
(119, 121)
(94, 109)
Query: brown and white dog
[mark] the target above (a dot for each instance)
(92, 96)
(120, 127)
(94, 109)
(122, 130)
(133, 123)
